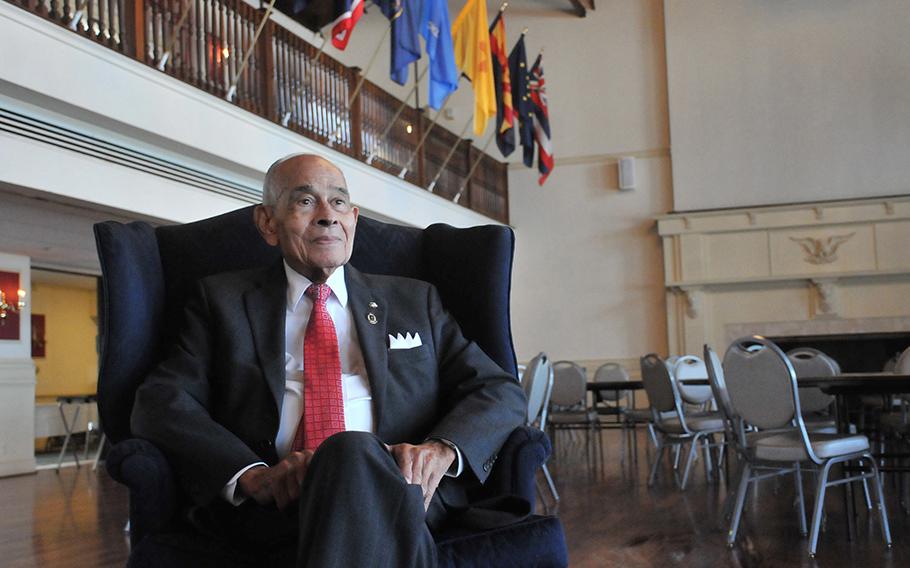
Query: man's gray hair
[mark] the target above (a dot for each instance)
(271, 190)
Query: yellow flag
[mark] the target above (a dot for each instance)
(471, 40)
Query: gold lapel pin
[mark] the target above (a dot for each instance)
(371, 317)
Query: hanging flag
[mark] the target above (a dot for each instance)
(471, 39)
(405, 17)
(538, 93)
(521, 104)
(316, 14)
(502, 85)
(437, 37)
(347, 13)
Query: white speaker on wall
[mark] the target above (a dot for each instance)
(626, 167)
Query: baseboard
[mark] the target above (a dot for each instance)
(17, 467)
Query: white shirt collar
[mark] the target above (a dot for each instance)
(298, 283)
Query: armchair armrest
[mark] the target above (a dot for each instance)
(516, 467)
(142, 467)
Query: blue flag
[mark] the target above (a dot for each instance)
(521, 101)
(437, 34)
(405, 17)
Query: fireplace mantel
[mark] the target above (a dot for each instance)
(808, 266)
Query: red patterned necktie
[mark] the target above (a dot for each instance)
(323, 404)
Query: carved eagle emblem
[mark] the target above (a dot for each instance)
(821, 251)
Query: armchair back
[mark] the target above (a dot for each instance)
(147, 273)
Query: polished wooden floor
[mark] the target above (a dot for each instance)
(611, 517)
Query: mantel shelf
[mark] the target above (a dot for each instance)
(788, 278)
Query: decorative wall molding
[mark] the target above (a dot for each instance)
(776, 216)
(821, 251)
(610, 158)
(802, 264)
(691, 295)
(818, 327)
(827, 295)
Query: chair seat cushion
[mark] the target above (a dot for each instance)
(705, 423)
(536, 541)
(789, 447)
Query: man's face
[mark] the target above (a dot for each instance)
(313, 220)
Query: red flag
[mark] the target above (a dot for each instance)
(316, 14)
(538, 94)
(347, 12)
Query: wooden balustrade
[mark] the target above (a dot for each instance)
(99, 20)
(284, 82)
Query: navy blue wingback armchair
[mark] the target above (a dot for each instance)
(147, 273)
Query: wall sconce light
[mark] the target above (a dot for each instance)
(7, 309)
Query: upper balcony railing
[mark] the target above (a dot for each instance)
(285, 83)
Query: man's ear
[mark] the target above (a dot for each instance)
(265, 222)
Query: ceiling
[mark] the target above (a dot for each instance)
(54, 234)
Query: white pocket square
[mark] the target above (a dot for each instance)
(404, 342)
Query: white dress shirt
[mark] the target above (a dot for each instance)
(355, 388)
(355, 385)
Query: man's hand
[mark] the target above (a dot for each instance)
(279, 484)
(424, 465)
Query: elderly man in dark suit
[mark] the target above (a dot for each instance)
(311, 403)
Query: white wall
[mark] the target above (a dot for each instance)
(783, 102)
(587, 281)
(17, 383)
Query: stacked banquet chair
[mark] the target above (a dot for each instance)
(569, 411)
(616, 406)
(815, 405)
(613, 402)
(740, 435)
(895, 425)
(764, 394)
(684, 367)
(537, 383)
(673, 427)
(147, 273)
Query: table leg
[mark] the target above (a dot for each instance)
(843, 426)
(69, 433)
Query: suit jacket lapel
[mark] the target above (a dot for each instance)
(265, 306)
(370, 321)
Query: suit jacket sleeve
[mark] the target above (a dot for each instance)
(173, 410)
(481, 403)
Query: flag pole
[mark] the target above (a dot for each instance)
(451, 153)
(398, 112)
(363, 77)
(165, 57)
(464, 184)
(426, 135)
(232, 90)
(286, 119)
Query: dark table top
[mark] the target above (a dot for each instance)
(859, 383)
(845, 383)
(77, 398)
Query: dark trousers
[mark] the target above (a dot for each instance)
(355, 509)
